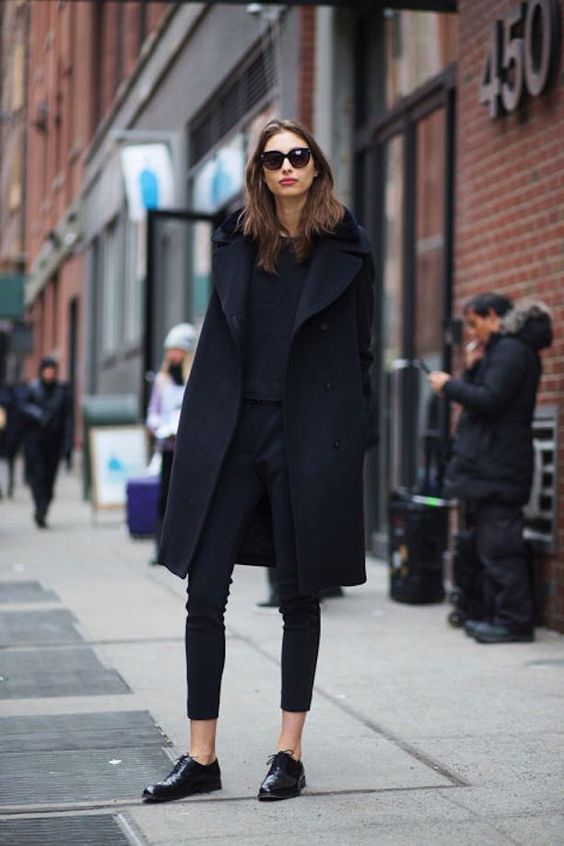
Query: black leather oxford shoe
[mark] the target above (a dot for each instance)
(284, 780)
(187, 777)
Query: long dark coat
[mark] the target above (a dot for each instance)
(328, 415)
(493, 447)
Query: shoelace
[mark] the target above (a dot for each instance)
(284, 751)
(179, 763)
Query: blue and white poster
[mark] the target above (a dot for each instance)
(149, 183)
(117, 453)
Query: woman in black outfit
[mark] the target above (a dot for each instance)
(269, 455)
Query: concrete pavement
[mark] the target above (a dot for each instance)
(418, 736)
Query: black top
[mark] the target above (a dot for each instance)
(271, 309)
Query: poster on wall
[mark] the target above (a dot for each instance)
(117, 453)
(221, 177)
(149, 181)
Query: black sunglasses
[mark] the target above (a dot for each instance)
(274, 159)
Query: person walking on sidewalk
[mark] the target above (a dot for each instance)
(270, 448)
(491, 469)
(163, 413)
(45, 406)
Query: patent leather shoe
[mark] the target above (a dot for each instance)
(497, 633)
(284, 780)
(187, 778)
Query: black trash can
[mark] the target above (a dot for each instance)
(417, 545)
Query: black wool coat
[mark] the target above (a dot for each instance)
(327, 404)
(493, 447)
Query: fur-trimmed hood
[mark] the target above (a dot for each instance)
(531, 321)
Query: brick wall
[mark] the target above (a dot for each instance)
(79, 53)
(510, 218)
(306, 77)
(13, 34)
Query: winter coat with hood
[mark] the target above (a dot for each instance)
(493, 450)
(326, 402)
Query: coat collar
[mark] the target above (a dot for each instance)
(337, 258)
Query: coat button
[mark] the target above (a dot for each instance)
(324, 326)
(337, 443)
(328, 385)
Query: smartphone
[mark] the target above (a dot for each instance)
(422, 365)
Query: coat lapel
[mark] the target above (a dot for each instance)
(331, 271)
(231, 272)
(334, 265)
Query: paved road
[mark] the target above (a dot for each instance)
(418, 737)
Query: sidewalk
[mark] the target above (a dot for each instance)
(418, 736)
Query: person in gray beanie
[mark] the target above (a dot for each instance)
(163, 413)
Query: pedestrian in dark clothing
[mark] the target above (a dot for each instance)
(491, 468)
(46, 411)
(269, 453)
(12, 434)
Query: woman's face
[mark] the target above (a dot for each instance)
(175, 356)
(288, 181)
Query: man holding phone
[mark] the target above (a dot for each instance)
(491, 467)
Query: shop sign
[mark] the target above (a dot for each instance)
(522, 56)
(221, 178)
(149, 184)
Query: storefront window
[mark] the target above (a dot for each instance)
(418, 45)
(429, 289)
(393, 250)
(429, 237)
(391, 329)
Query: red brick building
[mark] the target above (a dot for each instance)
(13, 46)
(79, 54)
(509, 233)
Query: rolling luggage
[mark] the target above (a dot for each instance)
(142, 497)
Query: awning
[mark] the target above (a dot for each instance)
(11, 296)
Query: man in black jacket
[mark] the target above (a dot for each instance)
(491, 468)
(46, 409)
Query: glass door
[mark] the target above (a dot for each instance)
(429, 307)
(413, 217)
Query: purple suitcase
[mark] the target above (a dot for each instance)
(142, 502)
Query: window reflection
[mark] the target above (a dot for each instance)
(418, 45)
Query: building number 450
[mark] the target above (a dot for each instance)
(523, 53)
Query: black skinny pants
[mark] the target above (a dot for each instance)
(256, 462)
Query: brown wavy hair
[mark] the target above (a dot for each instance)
(321, 213)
